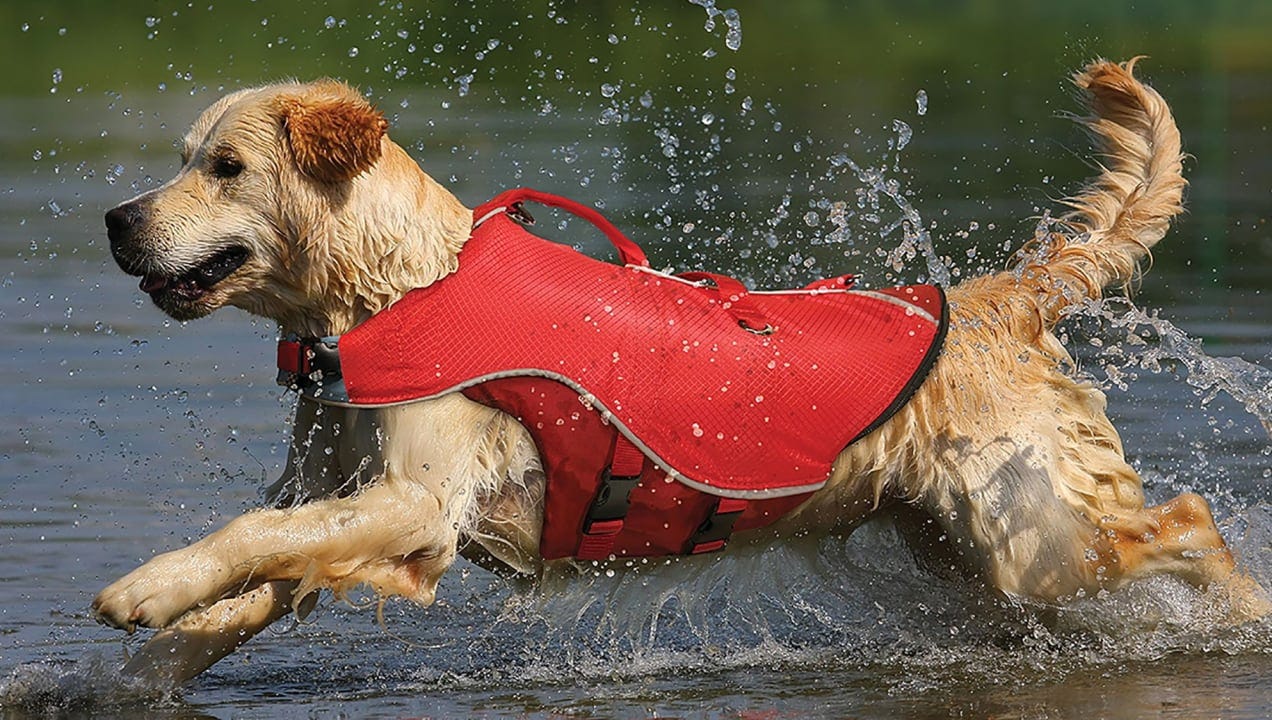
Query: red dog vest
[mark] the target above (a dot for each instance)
(669, 411)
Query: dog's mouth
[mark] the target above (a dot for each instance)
(196, 282)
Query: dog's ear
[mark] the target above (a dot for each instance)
(334, 133)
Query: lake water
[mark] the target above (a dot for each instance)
(125, 434)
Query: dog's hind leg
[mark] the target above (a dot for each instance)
(1182, 540)
(1045, 526)
(1028, 481)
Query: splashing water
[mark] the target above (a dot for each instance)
(90, 687)
(847, 603)
(916, 239)
(903, 134)
(732, 22)
(1246, 382)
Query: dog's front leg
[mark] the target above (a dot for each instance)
(393, 535)
(199, 639)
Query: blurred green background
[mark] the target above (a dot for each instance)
(644, 108)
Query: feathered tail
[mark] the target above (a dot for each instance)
(1127, 208)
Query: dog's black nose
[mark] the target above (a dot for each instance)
(120, 222)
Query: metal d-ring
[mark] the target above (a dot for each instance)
(768, 328)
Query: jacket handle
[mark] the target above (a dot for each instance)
(628, 251)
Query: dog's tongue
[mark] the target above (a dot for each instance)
(153, 283)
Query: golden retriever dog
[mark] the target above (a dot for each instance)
(293, 204)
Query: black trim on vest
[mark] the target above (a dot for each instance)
(920, 374)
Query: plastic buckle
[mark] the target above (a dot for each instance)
(605, 517)
(324, 356)
(612, 500)
(298, 358)
(517, 211)
(713, 534)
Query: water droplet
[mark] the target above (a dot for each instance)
(733, 38)
(353, 51)
(904, 133)
(465, 81)
(921, 100)
(697, 430)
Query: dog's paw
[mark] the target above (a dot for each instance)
(1247, 600)
(157, 593)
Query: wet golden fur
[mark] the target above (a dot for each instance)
(1002, 451)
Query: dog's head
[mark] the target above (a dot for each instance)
(259, 168)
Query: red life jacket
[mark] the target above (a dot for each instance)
(668, 411)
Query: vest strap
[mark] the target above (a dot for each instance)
(604, 520)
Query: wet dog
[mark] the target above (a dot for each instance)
(292, 203)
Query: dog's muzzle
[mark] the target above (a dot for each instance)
(122, 223)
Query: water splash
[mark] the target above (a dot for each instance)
(903, 134)
(834, 604)
(732, 22)
(916, 239)
(1163, 344)
(90, 687)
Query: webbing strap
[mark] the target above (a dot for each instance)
(628, 251)
(628, 459)
(292, 358)
(604, 519)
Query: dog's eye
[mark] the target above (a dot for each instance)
(226, 167)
